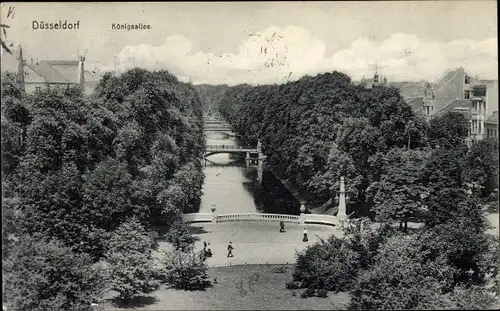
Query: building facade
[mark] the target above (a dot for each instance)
(456, 91)
(492, 126)
(53, 74)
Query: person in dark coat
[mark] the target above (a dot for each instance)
(305, 239)
(230, 250)
(282, 226)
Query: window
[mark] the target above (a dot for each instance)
(38, 88)
(467, 79)
(467, 94)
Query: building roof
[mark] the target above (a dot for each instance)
(416, 103)
(61, 71)
(51, 71)
(410, 89)
(459, 105)
(493, 119)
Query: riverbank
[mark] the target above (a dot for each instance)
(326, 208)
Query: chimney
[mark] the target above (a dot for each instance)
(81, 71)
(20, 69)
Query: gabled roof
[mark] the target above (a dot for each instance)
(51, 74)
(60, 71)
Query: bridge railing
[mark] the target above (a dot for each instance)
(198, 217)
(321, 219)
(257, 216)
(302, 219)
(226, 147)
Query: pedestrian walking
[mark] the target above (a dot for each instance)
(305, 239)
(205, 252)
(230, 250)
(282, 226)
(209, 251)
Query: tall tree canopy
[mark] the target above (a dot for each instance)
(302, 123)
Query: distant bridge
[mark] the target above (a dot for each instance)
(211, 124)
(216, 125)
(215, 149)
(217, 129)
(302, 219)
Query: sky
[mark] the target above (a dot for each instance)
(265, 42)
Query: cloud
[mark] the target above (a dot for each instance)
(276, 55)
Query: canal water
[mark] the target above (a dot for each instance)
(233, 188)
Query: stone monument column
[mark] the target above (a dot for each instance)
(342, 207)
(260, 161)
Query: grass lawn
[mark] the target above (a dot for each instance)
(248, 287)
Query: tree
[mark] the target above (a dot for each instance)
(400, 193)
(402, 277)
(481, 165)
(443, 175)
(130, 257)
(180, 236)
(449, 131)
(45, 275)
(2, 41)
(464, 243)
(107, 194)
(335, 264)
(52, 204)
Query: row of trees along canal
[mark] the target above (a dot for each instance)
(320, 128)
(93, 178)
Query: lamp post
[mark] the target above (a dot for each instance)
(302, 217)
(214, 216)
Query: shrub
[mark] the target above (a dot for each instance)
(403, 277)
(322, 293)
(310, 292)
(130, 257)
(303, 295)
(280, 269)
(187, 271)
(334, 264)
(292, 285)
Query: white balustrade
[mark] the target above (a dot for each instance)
(304, 218)
(257, 216)
(198, 217)
(321, 219)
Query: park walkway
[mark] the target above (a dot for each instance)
(257, 242)
(260, 242)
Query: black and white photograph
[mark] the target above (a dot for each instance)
(258, 155)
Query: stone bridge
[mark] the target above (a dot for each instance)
(302, 219)
(214, 149)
